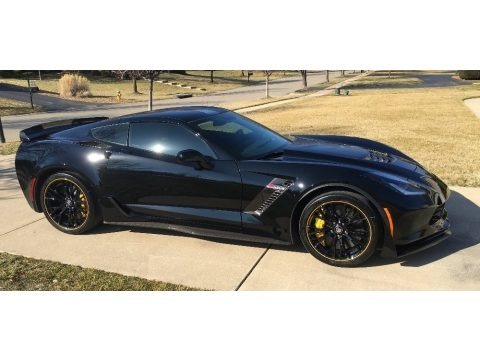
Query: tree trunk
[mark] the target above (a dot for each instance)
(343, 73)
(327, 76)
(2, 135)
(39, 75)
(135, 89)
(304, 78)
(242, 74)
(150, 95)
(389, 73)
(211, 76)
(267, 94)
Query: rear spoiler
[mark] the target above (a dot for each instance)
(43, 130)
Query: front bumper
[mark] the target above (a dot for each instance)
(422, 244)
(413, 237)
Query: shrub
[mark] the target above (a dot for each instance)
(74, 85)
(469, 74)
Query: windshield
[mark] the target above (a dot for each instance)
(239, 136)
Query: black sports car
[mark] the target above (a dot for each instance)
(210, 171)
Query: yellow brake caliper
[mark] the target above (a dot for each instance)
(83, 202)
(319, 225)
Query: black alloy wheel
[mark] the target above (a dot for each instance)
(68, 205)
(339, 228)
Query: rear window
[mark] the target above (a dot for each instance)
(116, 134)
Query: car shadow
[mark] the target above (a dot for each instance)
(108, 228)
(464, 217)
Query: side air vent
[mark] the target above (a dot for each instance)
(278, 190)
(379, 156)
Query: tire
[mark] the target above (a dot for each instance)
(339, 237)
(68, 204)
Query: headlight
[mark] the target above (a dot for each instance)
(401, 184)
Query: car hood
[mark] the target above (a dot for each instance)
(354, 151)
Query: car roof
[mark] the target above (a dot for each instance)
(182, 114)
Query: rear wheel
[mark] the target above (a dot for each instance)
(68, 205)
(339, 228)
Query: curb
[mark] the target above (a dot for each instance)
(185, 86)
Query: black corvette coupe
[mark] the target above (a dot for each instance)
(210, 171)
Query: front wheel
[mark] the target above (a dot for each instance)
(339, 228)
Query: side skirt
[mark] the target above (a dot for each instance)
(195, 231)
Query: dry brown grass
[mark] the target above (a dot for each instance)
(431, 125)
(9, 147)
(13, 107)
(104, 90)
(382, 80)
(249, 103)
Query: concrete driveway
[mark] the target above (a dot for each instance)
(229, 265)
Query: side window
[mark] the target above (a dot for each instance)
(116, 134)
(165, 138)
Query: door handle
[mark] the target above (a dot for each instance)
(107, 154)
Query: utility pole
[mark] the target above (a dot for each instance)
(30, 92)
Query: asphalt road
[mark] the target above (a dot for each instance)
(438, 79)
(63, 109)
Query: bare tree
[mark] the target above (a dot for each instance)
(304, 78)
(327, 76)
(135, 75)
(121, 74)
(242, 74)
(149, 75)
(211, 76)
(267, 74)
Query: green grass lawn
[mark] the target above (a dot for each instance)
(13, 107)
(22, 273)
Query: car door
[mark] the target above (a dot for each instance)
(146, 178)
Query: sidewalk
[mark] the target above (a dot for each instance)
(474, 105)
(228, 265)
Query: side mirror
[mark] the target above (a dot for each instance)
(193, 156)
